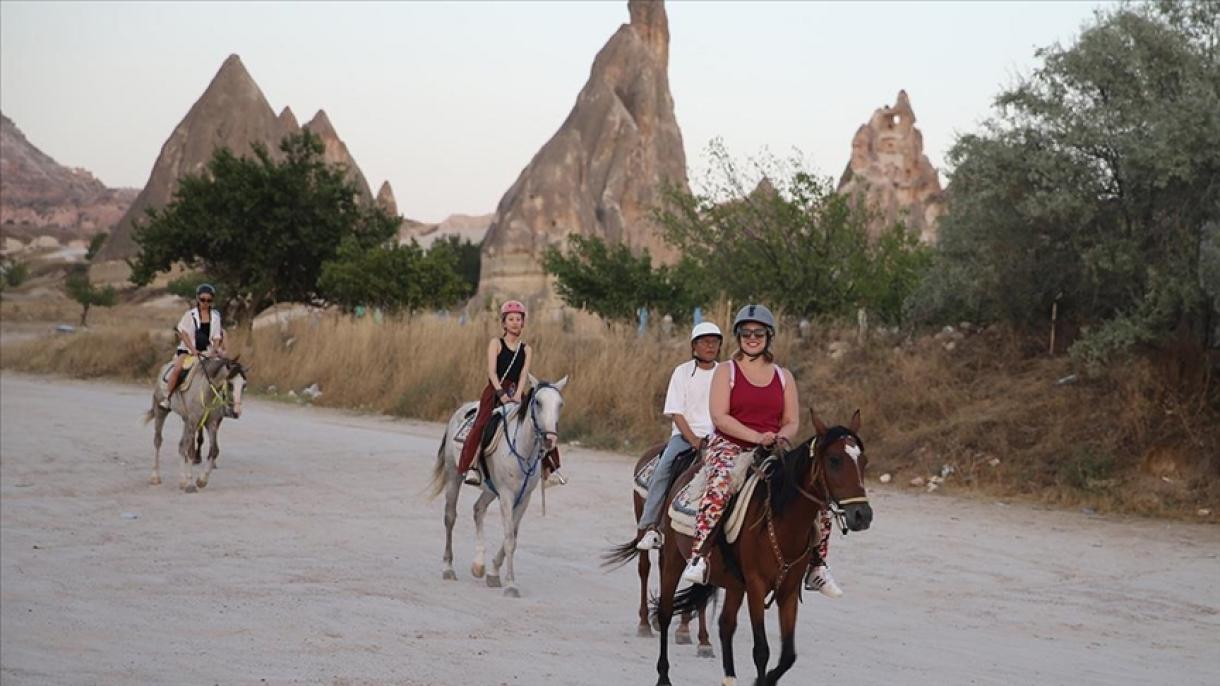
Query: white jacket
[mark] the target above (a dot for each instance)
(189, 324)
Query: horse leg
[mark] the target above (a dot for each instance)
(159, 416)
(478, 567)
(510, 544)
(787, 633)
(453, 489)
(213, 452)
(670, 563)
(705, 645)
(643, 567)
(762, 651)
(186, 449)
(682, 633)
(728, 625)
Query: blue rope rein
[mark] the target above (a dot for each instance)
(527, 464)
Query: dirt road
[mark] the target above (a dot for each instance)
(312, 558)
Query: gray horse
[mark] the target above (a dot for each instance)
(212, 388)
(514, 469)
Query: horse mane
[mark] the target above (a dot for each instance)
(785, 479)
(525, 402)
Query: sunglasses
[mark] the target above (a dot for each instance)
(205, 300)
(752, 333)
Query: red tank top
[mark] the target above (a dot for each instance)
(759, 407)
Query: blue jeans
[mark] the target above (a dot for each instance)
(659, 483)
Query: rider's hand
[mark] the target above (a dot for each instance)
(767, 439)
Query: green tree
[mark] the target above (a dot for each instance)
(15, 273)
(79, 288)
(791, 241)
(467, 258)
(95, 244)
(612, 282)
(392, 277)
(262, 226)
(1094, 187)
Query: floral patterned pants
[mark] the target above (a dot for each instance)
(719, 459)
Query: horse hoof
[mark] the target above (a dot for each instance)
(512, 592)
(477, 570)
(201, 484)
(154, 480)
(682, 638)
(706, 651)
(189, 488)
(493, 581)
(449, 575)
(643, 631)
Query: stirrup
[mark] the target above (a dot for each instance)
(473, 477)
(556, 479)
(696, 571)
(651, 540)
(163, 404)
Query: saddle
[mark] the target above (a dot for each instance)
(685, 503)
(492, 432)
(188, 368)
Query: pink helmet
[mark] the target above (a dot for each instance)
(512, 306)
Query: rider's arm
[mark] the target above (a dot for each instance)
(493, 349)
(719, 405)
(186, 333)
(525, 373)
(792, 412)
(688, 434)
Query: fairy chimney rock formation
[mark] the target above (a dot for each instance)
(288, 121)
(336, 152)
(890, 173)
(231, 113)
(602, 172)
(385, 199)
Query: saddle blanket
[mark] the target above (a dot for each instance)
(686, 503)
(188, 363)
(496, 425)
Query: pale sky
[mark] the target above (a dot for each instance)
(449, 101)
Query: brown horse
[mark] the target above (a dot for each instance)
(764, 564)
(622, 554)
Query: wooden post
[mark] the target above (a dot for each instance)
(1054, 316)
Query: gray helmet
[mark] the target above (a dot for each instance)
(205, 288)
(754, 313)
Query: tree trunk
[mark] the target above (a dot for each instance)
(84, 313)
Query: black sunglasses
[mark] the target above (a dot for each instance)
(752, 333)
(205, 300)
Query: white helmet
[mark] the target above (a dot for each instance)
(705, 329)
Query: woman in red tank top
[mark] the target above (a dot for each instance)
(753, 402)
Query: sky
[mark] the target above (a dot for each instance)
(450, 101)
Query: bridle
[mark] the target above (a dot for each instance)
(528, 464)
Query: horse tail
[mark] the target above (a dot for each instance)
(438, 470)
(620, 555)
(691, 599)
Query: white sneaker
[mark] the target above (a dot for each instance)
(473, 477)
(556, 479)
(164, 404)
(651, 540)
(696, 571)
(819, 579)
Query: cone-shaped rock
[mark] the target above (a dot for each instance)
(231, 113)
(385, 199)
(336, 152)
(602, 172)
(889, 171)
(288, 121)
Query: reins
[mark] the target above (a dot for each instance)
(528, 464)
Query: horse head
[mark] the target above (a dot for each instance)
(237, 381)
(839, 457)
(546, 402)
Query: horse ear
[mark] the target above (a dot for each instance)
(818, 425)
(561, 383)
(855, 422)
(533, 380)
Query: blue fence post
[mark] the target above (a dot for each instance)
(698, 315)
(642, 313)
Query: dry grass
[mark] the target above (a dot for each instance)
(1120, 443)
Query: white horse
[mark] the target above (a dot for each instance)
(514, 469)
(210, 390)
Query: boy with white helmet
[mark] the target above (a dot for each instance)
(686, 403)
